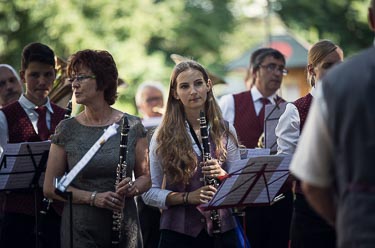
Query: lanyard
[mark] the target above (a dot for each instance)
(195, 137)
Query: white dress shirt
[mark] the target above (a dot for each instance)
(29, 108)
(156, 196)
(288, 129)
(312, 162)
(226, 104)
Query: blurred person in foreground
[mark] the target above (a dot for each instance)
(334, 158)
(32, 118)
(307, 228)
(10, 85)
(177, 167)
(93, 75)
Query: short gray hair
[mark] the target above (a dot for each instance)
(147, 84)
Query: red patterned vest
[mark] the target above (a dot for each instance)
(20, 129)
(246, 120)
(303, 105)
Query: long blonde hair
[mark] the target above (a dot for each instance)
(174, 147)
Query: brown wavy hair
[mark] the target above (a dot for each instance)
(174, 144)
(102, 65)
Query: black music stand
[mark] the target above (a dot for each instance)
(22, 171)
(253, 182)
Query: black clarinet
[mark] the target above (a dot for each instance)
(215, 217)
(117, 216)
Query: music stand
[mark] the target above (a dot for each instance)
(252, 182)
(21, 168)
(272, 116)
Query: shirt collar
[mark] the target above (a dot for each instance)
(257, 95)
(26, 103)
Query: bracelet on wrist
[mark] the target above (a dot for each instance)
(92, 198)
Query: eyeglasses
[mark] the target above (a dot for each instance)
(274, 67)
(80, 78)
(154, 99)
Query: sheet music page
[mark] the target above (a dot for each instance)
(245, 185)
(247, 153)
(272, 116)
(16, 159)
(276, 181)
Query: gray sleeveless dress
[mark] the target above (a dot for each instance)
(92, 225)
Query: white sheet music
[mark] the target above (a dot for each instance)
(247, 153)
(16, 159)
(246, 186)
(272, 116)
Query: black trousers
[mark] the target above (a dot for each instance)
(308, 229)
(268, 226)
(149, 218)
(171, 239)
(18, 230)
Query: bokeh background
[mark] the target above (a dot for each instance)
(220, 34)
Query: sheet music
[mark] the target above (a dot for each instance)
(17, 168)
(272, 116)
(65, 181)
(245, 185)
(247, 153)
(151, 122)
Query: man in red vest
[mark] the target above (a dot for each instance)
(265, 226)
(32, 118)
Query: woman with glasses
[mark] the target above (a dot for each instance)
(93, 75)
(307, 228)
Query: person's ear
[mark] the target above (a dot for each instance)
(175, 95)
(22, 77)
(310, 69)
(209, 85)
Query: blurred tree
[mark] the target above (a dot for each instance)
(141, 34)
(342, 21)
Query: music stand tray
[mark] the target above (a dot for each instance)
(253, 182)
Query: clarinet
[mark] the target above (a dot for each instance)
(117, 216)
(215, 217)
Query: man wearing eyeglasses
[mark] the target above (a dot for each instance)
(32, 118)
(245, 110)
(266, 226)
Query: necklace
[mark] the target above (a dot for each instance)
(99, 123)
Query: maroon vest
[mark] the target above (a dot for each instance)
(188, 219)
(303, 105)
(20, 129)
(246, 121)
